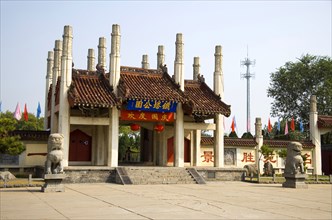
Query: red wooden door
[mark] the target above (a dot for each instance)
(80, 146)
(170, 150)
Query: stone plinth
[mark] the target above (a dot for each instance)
(295, 181)
(53, 183)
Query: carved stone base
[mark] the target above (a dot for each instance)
(295, 181)
(53, 183)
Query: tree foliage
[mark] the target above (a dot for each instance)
(12, 144)
(292, 85)
(9, 144)
(128, 139)
(233, 135)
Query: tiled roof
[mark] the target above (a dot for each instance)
(284, 143)
(324, 121)
(90, 89)
(138, 83)
(203, 100)
(31, 135)
(242, 142)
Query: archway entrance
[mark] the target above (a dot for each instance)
(170, 150)
(80, 146)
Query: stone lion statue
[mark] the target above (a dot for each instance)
(251, 169)
(54, 160)
(268, 169)
(294, 160)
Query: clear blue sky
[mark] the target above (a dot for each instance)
(274, 31)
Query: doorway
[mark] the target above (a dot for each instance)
(170, 150)
(80, 146)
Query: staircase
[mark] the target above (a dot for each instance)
(158, 175)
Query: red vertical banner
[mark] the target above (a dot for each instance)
(25, 113)
(269, 126)
(292, 125)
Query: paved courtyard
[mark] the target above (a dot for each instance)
(216, 200)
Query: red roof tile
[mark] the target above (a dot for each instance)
(243, 142)
(204, 101)
(92, 89)
(89, 89)
(324, 121)
(138, 83)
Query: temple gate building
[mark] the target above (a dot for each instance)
(89, 105)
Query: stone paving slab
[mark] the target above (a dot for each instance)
(214, 200)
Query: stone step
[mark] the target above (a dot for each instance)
(159, 175)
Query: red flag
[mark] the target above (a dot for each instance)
(233, 124)
(269, 126)
(292, 125)
(25, 113)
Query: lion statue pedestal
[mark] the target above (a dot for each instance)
(294, 168)
(54, 165)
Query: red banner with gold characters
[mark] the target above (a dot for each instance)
(147, 116)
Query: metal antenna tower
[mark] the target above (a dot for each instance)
(247, 62)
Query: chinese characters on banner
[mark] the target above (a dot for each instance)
(151, 105)
(147, 116)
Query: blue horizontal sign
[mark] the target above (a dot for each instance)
(151, 105)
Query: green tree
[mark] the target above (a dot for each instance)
(9, 144)
(33, 123)
(233, 135)
(247, 135)
(292, 85)
(128, 139)
(267, 152)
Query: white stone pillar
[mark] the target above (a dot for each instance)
(66, 78)
(178, 63)
(219, 90)
(197, 147)
(315, 136)
(218, 74)
(91, 60)
(102, 52)
(160, 56)
(196, 68)
(115, 57)
(179, 124)
(259, 141)
(113, 134)
(145, 62)
(196, 133)
(49, 75)
(56, 74)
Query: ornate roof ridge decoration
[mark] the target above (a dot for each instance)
(83, 72)
(324, 121)
(128, 69)
(251, 142)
